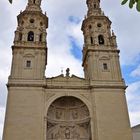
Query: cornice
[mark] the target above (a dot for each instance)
(27, 47)
(32, 13)
(72, 87)
(93, 49)
(88, 19)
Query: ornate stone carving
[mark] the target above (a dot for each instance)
(75, 114)
(67, 120)
(58, 114)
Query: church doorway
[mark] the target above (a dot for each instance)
(68, 119)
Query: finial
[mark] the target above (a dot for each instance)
(85, 17)
(102, 13)
(113, 33)
(93, 7)
(33, 5)
(67, 72)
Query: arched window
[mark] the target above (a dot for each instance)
(34, 1)
(101, 39)
(40, 38)
(31, 36)
(91, 40)
(28, 63)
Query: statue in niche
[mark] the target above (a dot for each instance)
(75, 114)
(67, 133)
(57, 135)
(75, 135)
(58, 114)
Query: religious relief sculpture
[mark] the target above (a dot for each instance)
(58, 114)
(75, 114)
(67, 120)
(67, 133)
(58, 135)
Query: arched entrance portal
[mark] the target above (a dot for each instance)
(68, 119)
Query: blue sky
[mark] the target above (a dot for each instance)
(129, 78)
(65, 40)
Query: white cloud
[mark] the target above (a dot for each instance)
(74, 30)
(2, 113)
(133, 92)
(133, 98)
(125, 23)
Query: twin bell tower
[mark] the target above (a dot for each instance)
(65, 107)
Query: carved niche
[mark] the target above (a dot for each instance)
(68, 119)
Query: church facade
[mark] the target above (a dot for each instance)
(66, 107)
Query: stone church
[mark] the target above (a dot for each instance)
(66, 107)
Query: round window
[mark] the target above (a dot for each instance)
(99, 25)
(32, 20)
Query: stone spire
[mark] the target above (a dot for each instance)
(93, 7)
(33, 5)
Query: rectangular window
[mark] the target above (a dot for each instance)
(28, 63)
(105, 67)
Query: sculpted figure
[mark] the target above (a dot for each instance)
(67, 133)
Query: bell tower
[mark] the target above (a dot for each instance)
(100, 53)
(24, 113)
(29, 49)
(102, 70)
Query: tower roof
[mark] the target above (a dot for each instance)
(33, 5)
(93, 7)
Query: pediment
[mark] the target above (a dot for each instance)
(66, 82)
(66, 78)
